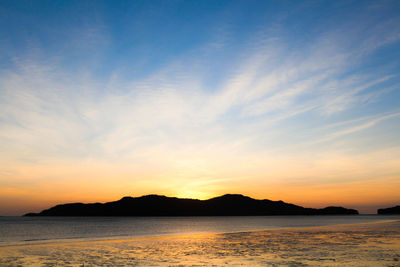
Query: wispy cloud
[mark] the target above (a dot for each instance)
(43, 109)
(355, 128)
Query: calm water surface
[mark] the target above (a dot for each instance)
(28, 230)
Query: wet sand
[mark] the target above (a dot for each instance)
(369, 244)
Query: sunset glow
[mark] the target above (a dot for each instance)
(293, 101)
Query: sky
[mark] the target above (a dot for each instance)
(283, 100)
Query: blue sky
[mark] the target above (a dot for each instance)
(197, 98)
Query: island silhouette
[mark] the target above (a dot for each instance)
(392, 210)
(158, 205)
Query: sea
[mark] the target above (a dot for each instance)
(38, 230)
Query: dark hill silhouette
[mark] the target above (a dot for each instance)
(392, 210)
(155, 205)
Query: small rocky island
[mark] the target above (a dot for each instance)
(156, 205)
(392, 210)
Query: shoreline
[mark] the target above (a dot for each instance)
(63, 241)
(362, 244)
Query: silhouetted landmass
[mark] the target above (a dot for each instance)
(155, 205)
(392, 210)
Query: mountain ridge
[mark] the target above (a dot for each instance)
(160, 205)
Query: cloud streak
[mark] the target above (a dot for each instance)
(41, 105)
